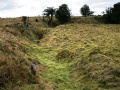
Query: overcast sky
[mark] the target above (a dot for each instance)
(16, 8)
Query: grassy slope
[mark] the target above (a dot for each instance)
(84, 43)
(84, 39)
(15, 41)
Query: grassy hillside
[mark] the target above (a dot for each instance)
(91, 52)
(68, 57)
(15, 40)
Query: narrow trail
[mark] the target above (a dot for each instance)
(56, 74)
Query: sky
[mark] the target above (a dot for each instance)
(17, 8)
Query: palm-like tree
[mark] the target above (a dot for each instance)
(49, 12)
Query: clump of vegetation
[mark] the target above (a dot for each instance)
(65, 55)
(85, 11)
(49, 13)
(111, 15)
(63, 14)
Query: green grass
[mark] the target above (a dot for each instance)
(96, 51)
(57, 74)
(90, 44)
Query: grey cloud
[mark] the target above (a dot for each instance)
(7, 5)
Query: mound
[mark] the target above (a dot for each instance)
(98, 68)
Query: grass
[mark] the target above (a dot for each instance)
(15, 63)
(70, 57)
(87, 42)
(57, 74)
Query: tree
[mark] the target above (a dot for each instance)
(63, 14)
(49, 12)
(112, 14)
(116, 13)
(108, 15)
(85, 11)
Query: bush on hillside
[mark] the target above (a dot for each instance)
(63, 14)
(112, 15)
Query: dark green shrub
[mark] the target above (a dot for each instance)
(112, 15)
(85, 11)
(63, 14)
